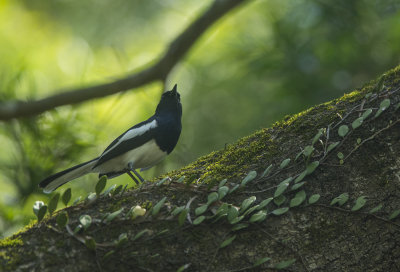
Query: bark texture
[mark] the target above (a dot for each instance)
(316, 237)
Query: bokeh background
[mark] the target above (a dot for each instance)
(264, 60)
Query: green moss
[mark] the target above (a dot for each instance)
(11, 241)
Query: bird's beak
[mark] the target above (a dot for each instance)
(174, 89)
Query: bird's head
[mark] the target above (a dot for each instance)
(170, 102)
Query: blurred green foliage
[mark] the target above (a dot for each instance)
(264, 60)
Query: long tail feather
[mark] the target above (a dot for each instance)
(54, 181)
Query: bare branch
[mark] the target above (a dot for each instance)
(159, 71)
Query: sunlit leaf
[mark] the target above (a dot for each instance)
(112, 187)
(41, 213)
(247, 203)
(222, 191)
(36, 207)
(384, 104)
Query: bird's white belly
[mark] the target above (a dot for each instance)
(144, 156)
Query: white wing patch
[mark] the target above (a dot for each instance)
(134, 133)
(138, 131)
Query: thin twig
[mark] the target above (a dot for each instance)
(177, 49)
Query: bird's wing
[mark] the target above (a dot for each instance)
(131, 139)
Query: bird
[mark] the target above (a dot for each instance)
(140, 147)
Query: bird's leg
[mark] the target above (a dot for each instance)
(133, 177)
(137, 174)
(130, 167)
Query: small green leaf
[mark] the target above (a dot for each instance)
(62, 219)
(234, 188)
(101, 184)
(239, 226)
(314, 198)
(250, 210)
(343, 130)
(247, 203)
(317, 136)
(261, 261)
(297, 186)
(85, 221)
(158, 206)
(237, 219)
(159, 183)
(77, 200)
(384, 104)
(360, 202)
(222, 191)
(285, 264)
(298, 199)
(358, 141)
(250, 176)
(280, 211)
(212, 197)
(90, 243)
(228, 241)
(177, 210)
(358, 122)
(266, 171)
(181, 179)
(183, 267)
(308, 150)
(341, 199)
(301, 176)
(311, 167)
(332, 146)
(264, 203)
(377, 208)
(198, 220)
(140, 234)
(53, 203)
(182, 216)
(41, 213)
(379, 112)
(284, 163)
(279, 200)
(200, 210)
(117, 190)
(122, 239)
(222, 183)
(112, 187)
(91, 197)
(233, 212)
(282, 187)
(66, 197)
(340, 155)
(366, 113)
(258, 217)
(394, 214)
(113, 215)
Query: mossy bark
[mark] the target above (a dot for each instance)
(319, 236)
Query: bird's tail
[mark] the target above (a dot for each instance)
(54, 181)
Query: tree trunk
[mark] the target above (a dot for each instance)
(348, 147)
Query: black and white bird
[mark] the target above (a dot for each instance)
(140, 147)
